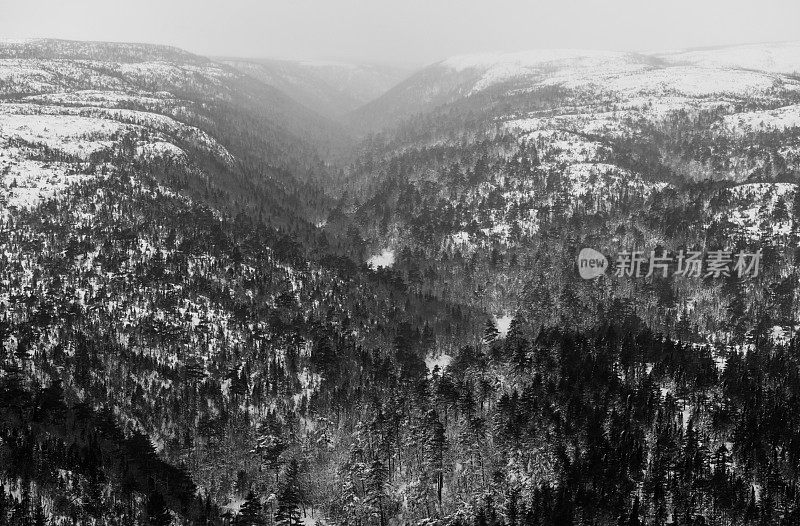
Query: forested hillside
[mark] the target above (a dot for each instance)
(218, 307)
(255, 146)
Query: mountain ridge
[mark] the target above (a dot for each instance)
(448, 80)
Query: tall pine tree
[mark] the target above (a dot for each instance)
(288, 513)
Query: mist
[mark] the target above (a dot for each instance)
(413, 32)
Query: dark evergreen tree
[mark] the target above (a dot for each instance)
(288, 512)
(157, 512)
(250, 513)
(490, 332)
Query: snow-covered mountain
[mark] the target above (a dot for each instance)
(734, 71)
(783, 57)
(764, 74)
(603, 94)
(242, 140)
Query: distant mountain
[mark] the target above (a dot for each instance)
(250, 141)
(329, 88)
(504, 84)
(783, 57)
(52, 49)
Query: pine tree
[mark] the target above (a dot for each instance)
(288, 513)
(250, 513)
(270, 443)
(515, 338)
(435, 451)
(22, 510)
(378, 474)
(490, 332)
(157, 512)
(39, 518)
(633, 519)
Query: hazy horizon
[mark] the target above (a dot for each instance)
(411, 33)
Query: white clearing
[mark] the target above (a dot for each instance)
(383, 260)
(442, 361)
(503, 323)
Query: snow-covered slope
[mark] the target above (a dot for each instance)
(762, 74)
(553, 66)
(781, 57)
(47, 147)
(738, 71)
(77, 103)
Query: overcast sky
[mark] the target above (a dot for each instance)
(408, 31)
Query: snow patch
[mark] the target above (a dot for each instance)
(383, 260)
(442, 361)
(503, 323)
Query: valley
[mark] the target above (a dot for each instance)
(240, 291)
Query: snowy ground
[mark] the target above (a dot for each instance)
(46, 148)
(441, 361)
(503, 323)
(779, 119)
(632, 74)
(383, 260)
(753, 209)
